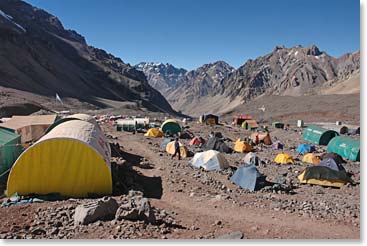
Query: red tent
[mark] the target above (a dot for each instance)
(197, 141)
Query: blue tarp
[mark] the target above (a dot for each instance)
(305, 148)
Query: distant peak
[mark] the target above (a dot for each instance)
(313, 50)
(279, 47)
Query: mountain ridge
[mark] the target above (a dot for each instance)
(46, 59)
(293, 71)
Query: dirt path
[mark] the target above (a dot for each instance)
(206, 215)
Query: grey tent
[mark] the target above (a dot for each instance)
(248, 177)
(217, 144)
(331, 163)
(337, 158)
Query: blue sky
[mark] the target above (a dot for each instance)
(190, 33)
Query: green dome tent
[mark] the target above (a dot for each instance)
(171, 126)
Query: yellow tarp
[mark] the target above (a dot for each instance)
(154, 132)
(321, 182)
(242, 146)
(283, 158)
(170, 148)
(311, 158)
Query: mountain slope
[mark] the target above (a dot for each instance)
(38, 55)
(288, 71)
(183, 88)
(294, 71)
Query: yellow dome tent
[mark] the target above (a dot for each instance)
(323, 176)
(283, 158)
(73, 159)
(170, 148)
(154, 132)
(242, 146)
(311, 158)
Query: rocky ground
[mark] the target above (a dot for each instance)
(196, 204)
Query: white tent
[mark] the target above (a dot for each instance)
(209, 160)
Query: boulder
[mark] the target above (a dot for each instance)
(136, 208)
(102, 209)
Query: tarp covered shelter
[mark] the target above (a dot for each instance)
(165, 142)
(311, 158)
(209, 160)
(242, 146)
(31, 127)
(73, 160)
(197, 141)
(249, 178)
(170, 127)
(318, 135)
(283, 158)
(170, 148)
(154, 132)
(324, 176)
(277, 124)
(217, 144)
(305, 148)
(251, 124)
(10, 149)
(330, 163)
(264, 137)
(348, 148)
(209, 119)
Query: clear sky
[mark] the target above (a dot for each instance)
(190, 33)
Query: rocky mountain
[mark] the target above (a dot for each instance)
(162, 77)
(39, 55)
(199, 83)
(288, 71)
(181, 87)
(291, 71)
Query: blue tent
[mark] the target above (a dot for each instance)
(248, 177)
(330, 163)
(165, 142)
(305, 148)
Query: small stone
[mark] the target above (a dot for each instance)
(217, 222)
(232, 235)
